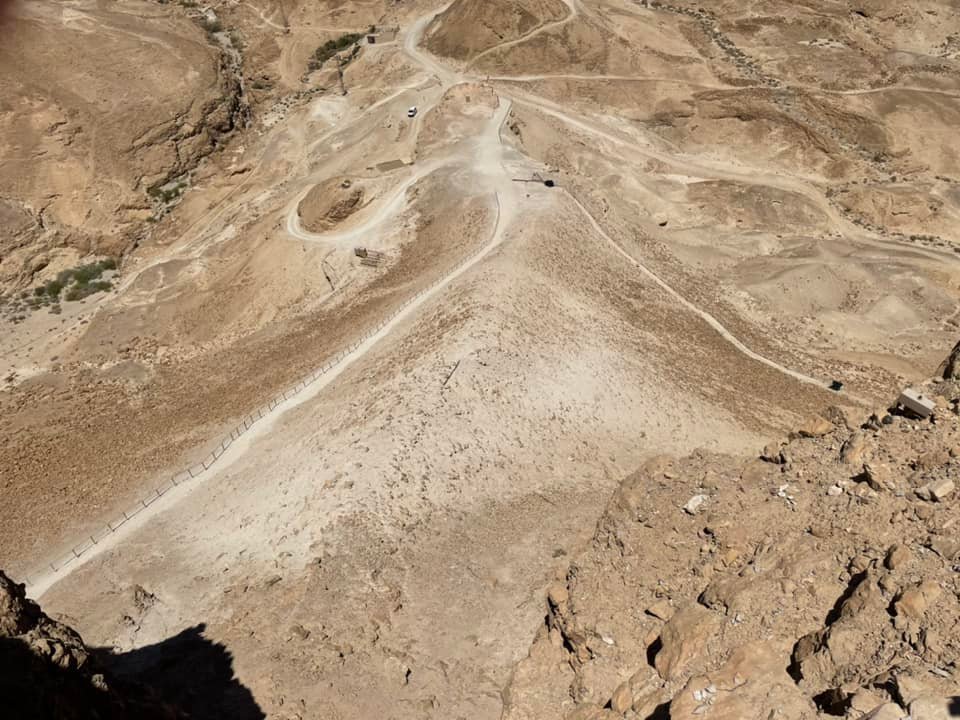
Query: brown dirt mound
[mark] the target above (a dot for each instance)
(330, 203)
(469, 27)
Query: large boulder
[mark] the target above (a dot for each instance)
(683, 639)
(752, 685)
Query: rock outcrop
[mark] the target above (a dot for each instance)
(817, 580)
(47, 672)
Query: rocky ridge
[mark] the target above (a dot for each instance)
(817, 580)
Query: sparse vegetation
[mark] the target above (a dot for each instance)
(80, 291)
(78, 282)
(331, 48)
(167, 192)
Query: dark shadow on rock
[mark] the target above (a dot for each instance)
(186, 677)
(190, 672)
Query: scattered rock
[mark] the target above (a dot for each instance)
(864, 702)
(815, 426)
(751, 684)
(932, 459)
(825, 658)
(913, 603)
(622, 699)
(558, 594)
(592, 712)
(938, 490)
(929, 707)
(946, 547)
(694, 504)
(839, 416)
(878, 477)
(773, 453)
(661, 610)
(300, 631)
(46, 670)
(897, 556)
(886, 711)
(854, 449)
(142, 599)
(942, 489)
(951, 367)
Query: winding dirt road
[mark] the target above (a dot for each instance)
(484, 155)
(492, 167)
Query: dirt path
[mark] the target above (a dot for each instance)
(263, 17)
(717, 86)
(793, 184)
(412, 41)
(703, 314)
(574, 12)
(618, 78)
(387, 208)
(489, 162)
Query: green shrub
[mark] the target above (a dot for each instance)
(211, 26)
(330, 48)
(53, 288)
(79, 282)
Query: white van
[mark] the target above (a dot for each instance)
(412, 112)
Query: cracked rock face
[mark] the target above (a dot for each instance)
(22, 619)
(748, 685)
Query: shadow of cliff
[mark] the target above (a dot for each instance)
(190, 672)
(185, 676)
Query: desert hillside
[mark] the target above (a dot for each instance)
(90, 139)
(470, 27)
(838, 599)
(333, 327)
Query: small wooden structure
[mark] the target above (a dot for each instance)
(370, 258)
(382, 34)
